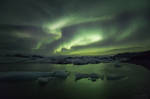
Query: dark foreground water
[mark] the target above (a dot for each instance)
(136, 85)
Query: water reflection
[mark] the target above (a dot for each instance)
(137, 82)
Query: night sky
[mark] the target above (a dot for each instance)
(74, 27)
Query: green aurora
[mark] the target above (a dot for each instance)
(74, 27)
(85, 35)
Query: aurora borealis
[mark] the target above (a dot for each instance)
(74, 27)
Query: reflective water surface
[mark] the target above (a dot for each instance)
(135, 84)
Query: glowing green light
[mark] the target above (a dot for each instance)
(82, 38)
(57, 25)
(111, 50)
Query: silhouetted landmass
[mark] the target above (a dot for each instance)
(138, 58)
(142, 58)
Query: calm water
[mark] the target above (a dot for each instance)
(135, 85)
